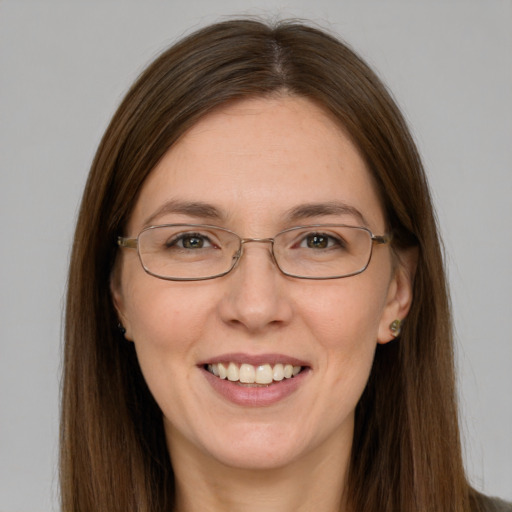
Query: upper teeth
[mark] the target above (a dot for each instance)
(249, 374)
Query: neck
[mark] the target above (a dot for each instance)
(315, 482)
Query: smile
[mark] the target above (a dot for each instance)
(245, 373)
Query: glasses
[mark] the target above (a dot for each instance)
(193, 252)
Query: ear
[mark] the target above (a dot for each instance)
(400, 295)
(116, 293)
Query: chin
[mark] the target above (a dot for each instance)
(258, 447)
(256, 458)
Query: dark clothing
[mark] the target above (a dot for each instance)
(495, 505)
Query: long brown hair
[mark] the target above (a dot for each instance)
(406, 454)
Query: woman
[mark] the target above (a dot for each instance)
(257, 315)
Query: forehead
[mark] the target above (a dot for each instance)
(255, 159)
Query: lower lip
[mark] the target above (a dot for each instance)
(259, 396)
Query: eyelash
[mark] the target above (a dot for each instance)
(180, 238)
(331, 239)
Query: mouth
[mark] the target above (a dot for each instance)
(246, 374)
(251, 380)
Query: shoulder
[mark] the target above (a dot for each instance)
(494, 505)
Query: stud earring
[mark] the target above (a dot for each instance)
(122, 330)
(395, 327)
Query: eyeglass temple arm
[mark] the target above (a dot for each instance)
(131, 243)
(382, 239)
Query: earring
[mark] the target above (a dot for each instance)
(395, 327)
(122, 330)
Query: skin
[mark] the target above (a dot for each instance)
(254, 160)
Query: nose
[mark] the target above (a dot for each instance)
(256, 291)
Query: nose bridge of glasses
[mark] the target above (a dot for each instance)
(245, 241)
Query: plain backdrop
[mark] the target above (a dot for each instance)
(64, 67)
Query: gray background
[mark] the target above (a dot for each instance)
(64, 67)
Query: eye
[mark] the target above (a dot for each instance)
(320, 241)
(190, 241)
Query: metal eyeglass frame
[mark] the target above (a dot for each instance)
(133, 243)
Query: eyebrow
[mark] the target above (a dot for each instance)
(310, 210)
(298, 213)
(191, 208)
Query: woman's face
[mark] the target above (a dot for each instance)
(258, 167)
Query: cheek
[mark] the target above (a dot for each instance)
(346, 313)
(345, 323)
(166, 325)
(164, 316)
(167, 322)
(342, 319)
